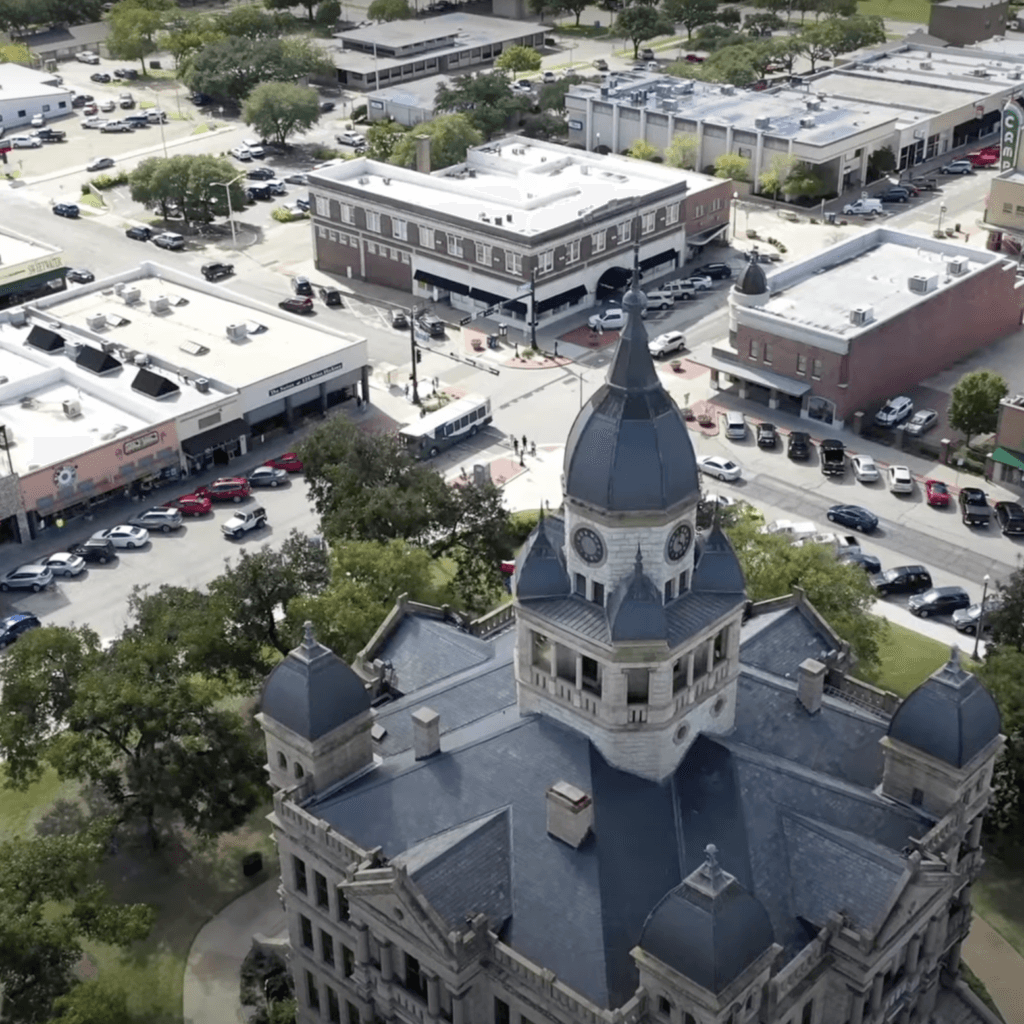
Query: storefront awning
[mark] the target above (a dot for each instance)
(426, 277)
(658, 259)
(562, 299)
(615, 277)
(489, 297)
(215, 437)
(755, 375)
(703, 237)
(515, 306)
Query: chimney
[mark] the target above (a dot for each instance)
(426, 733)
(570, 813)
(811, 683)
(423, 154)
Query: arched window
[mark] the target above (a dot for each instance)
(298, 770)
(282, 761)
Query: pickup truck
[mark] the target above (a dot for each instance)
(974, 507)
(243, 521)
(51, 135)
(792, 531)
(845, 547)
(833, 457)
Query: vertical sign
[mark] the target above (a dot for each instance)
(1009, 141)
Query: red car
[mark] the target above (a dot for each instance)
(936, 493)
(983, 159)
(694, 58)
(228, 488)
(289, 462)
(994, 150)
(191, 504)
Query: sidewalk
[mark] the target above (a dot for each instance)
(211, 983)
(999, 966)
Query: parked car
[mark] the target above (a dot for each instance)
(15, 625)
(66, 210)
(107, 105)
(921, 422)
(289, 462)
(661, 298)
(767, 435)
(63, 563)
(974, 507)
(601, 64)
(799, 445)
(241, 153)
(718, 466)
(735, 425)
(698, 282)
(548, 77)
(99, 76)
(399, 320)
(267, 476)
(200, 99)
(895, 411)
(647, 53)
(216, 271)
(243, 521)
(682, 291)
(296, 304)
(957, 167)
(350, 138)
(260, 174)
(855, 556)
(277, 188)
(95, 549)
(832, 457)
(169, 240)
(855, 517)
(864, 468)
(25, 142)
(983, 159)
(716, 271)
(100, 163)
(901, 481)
(326, 106)
(939, 601)
(695, 58)
(258, 192)
(936, 493)
(667, 343)
(191, 504)
(1010, 517)
(255, 147)
(93, 122)
(124, 536)
(610, 320)
(893, 195)
(967, 620)
(159, 518)
(297, 179)
(115, 127)
(863, 208)
(433, 325)
(330, 297)
(50, 135)
(140, 233)
(80, 275)
(227, 488)
(301, 286)
(34, 576)
(904, 579)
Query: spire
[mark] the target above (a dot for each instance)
(308, 640)
(633, 368)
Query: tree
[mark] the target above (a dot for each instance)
(552, 94)
(1007, 620)
(190, 34)
(255, 592)
(803, 182)
(777, 173)
(718, 37)
(691, 14)
(574, 7)
(1003, 673)
(134, 26)
(93, 1002)
(828, 39)
(737, 65)
(641, 149)
(517, 59)
(734, 166)
(544, 125)
(193, 183)
(762, 22)
(50, 905)
(249, 22)
(728, 16)
(287, 5)
(450, 136)
(140, 721)
(280, 109)
(682, 151)
(390, 10)
(974, 403)
(484, 99)
(381, 138)
(328, 13)
(839, 591)
(834, 8)
(638, 23)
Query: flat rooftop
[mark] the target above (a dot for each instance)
(420, 92)
(20, 249)
(785, 107)
(17, 82)
(872, 270)
(526, 187)
(191, 333)
(969, 71)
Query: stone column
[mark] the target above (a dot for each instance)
(975, 839)
(931, 937)
(458, 1007)
(387, 969)
(579, 671)
(323, 399)
(857, 1008)
(953, 958)
(773, 398)
(689, 673)
(876, 992)
(365, 1011)
(362, 945)
(913, 954)
(433, 994)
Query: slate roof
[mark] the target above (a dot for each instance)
(540, 568)
(579, 912)
(636, 610)
(950, 716)
(791, 638)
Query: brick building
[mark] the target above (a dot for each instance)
(621, 800)
(474, 233)
(966, 22)
(1010, 437)
(868, 318)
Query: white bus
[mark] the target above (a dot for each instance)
(436, 431)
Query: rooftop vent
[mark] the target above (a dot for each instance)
(131, 296)
(160, 304)
(202, 385)
(72, 408)
(921, 284)
(96, 322)
(807, 122)
(387, 181)
(958, 266)
(762, 122)
(19, 318)
(119, 287)
(141, 359)
(570, 814)
(237, 332)
(926, 65)
(814, 103)
(364, 180)
(860, 315)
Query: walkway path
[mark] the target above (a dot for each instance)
(999, 966)
(211, 985)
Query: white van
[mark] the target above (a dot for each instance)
(735, 425)
(87, 57)
(865, 207)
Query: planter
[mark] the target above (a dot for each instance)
(751, 233)
(478, 346)
(706, 420)
(676, 364)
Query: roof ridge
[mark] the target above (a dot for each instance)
(460, 678)
(862, 845)
(766, 678)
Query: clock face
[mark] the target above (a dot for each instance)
(679, 542)
(588, 544)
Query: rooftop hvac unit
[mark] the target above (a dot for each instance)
(686, 88)
(202, 385)
(161, 304)
(921, 284)
(237, 332)
(107, 346)
(96, 322)
(19, 318)
(807, 122)
(959, 265)
(364, 180)
(926, 65)
(861, 315)
(141, 359)
(762, 122)
(119, 287)
(131, 296)
(72, 349)
(728, 90)
(72, 408)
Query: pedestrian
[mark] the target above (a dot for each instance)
(524, 442)
(515, 445)
(407, 389)
(533, 448)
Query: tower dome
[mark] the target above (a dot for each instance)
(629, 449)
(752, 281)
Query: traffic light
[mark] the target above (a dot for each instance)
(419, 356)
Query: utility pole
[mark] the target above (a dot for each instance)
(415, 353)
(533, 308)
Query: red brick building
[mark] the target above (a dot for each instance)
(862, 321)
(1009, 437)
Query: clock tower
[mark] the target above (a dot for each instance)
(628, 623)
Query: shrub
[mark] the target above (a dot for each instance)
(359, 113)
(286, 216)
(105, 181)
(521, 525)
(86, 190)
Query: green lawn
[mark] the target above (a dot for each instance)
(999, 897)
(907, 660)
(19, 812)
(897, 10)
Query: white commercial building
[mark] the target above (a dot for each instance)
(25, 93)
(28, 268)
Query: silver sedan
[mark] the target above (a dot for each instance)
(63, 563)
(267, 476)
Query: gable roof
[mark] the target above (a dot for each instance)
(154, 384)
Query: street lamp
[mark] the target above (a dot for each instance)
(942, 213)
(735, 214)
(226, 185)
(980, 627)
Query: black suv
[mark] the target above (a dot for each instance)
(259, 192)
(904, 579)
(140, 233)
(716, 271)
(14, 625)
(939, 601)
(399, 320)
(1010, 516)
(95, 549)
(301, 286)
(799, 446)
(767, 435)
(215, 271)
(260, 174)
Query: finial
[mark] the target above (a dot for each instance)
(639, 561)
(954, 655)
(635, 282)
(308, 640)
(711, 868)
